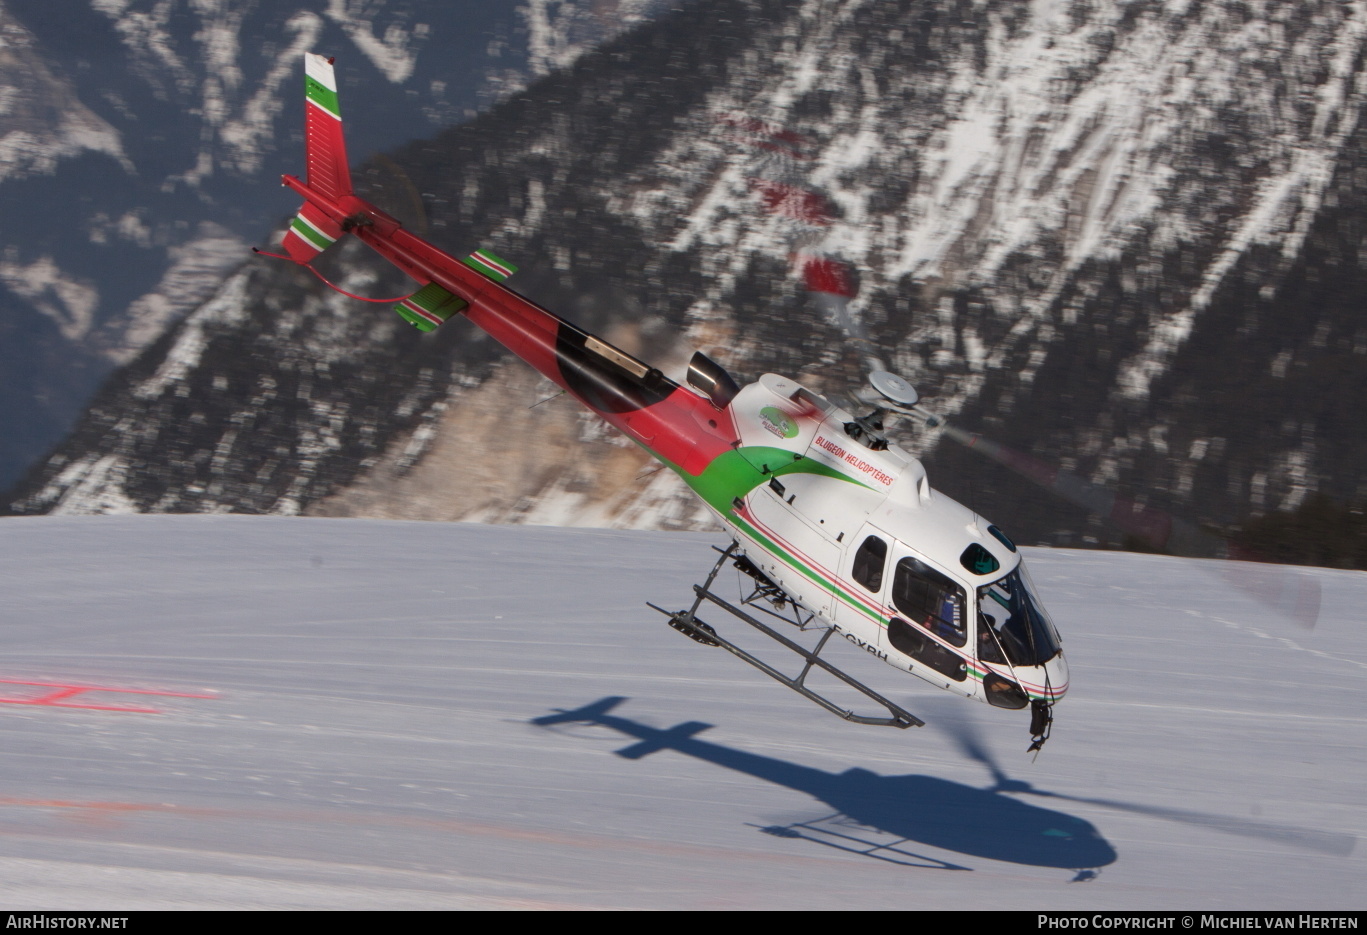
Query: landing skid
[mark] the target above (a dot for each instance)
(844, 834)
(687, 623)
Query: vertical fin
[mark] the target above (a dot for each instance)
(312, 231)
(326, 148)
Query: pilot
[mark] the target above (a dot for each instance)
(988, 648)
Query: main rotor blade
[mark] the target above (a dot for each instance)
(1156, 528)
(831, 284)
(964, 733)
(955, 723)
(1293, 595)
(837, 309)
(1326, 842)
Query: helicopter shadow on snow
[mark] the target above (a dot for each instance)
(882, 817)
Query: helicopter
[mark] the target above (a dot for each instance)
(836, 526)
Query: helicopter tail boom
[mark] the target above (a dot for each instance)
(331, 210)
(676, 425)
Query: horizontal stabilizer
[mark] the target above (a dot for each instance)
(497, 269)
(663, 740)
(589, 713)
(429, 306)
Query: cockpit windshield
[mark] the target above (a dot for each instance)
(1012, 619)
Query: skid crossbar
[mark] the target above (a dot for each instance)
(687, 622)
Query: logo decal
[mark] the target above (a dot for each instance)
(852, 459)
(777, 422)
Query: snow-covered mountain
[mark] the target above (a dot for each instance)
(140, 142)
(428, 715)
(1123, 236)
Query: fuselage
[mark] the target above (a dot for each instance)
(851, 530)
(855, 532)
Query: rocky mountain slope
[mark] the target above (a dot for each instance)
(1122, 236)
(140, 143)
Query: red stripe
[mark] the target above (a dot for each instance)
(484, 258)
(419, 310)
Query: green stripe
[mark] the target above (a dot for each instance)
(433, 298)
(323, 96)
(816, 576)
(736, 472)
(476, 263)
(979, 673)
(774, 548)
(309, 233)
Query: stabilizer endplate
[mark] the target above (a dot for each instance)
(309, 234)
(490, 264)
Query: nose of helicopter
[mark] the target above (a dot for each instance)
(1056, 677)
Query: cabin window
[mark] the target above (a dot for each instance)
(1013, 620)
(869, 562)
(932, 600)
(978, 560)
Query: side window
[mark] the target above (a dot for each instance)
(869, 562)
(907, 639)
(930, 599)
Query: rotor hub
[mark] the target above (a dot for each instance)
(894, 389)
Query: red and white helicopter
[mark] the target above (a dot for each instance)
(837, 526)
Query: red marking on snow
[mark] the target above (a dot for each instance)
(55, 699)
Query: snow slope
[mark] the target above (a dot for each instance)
(370, 738)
